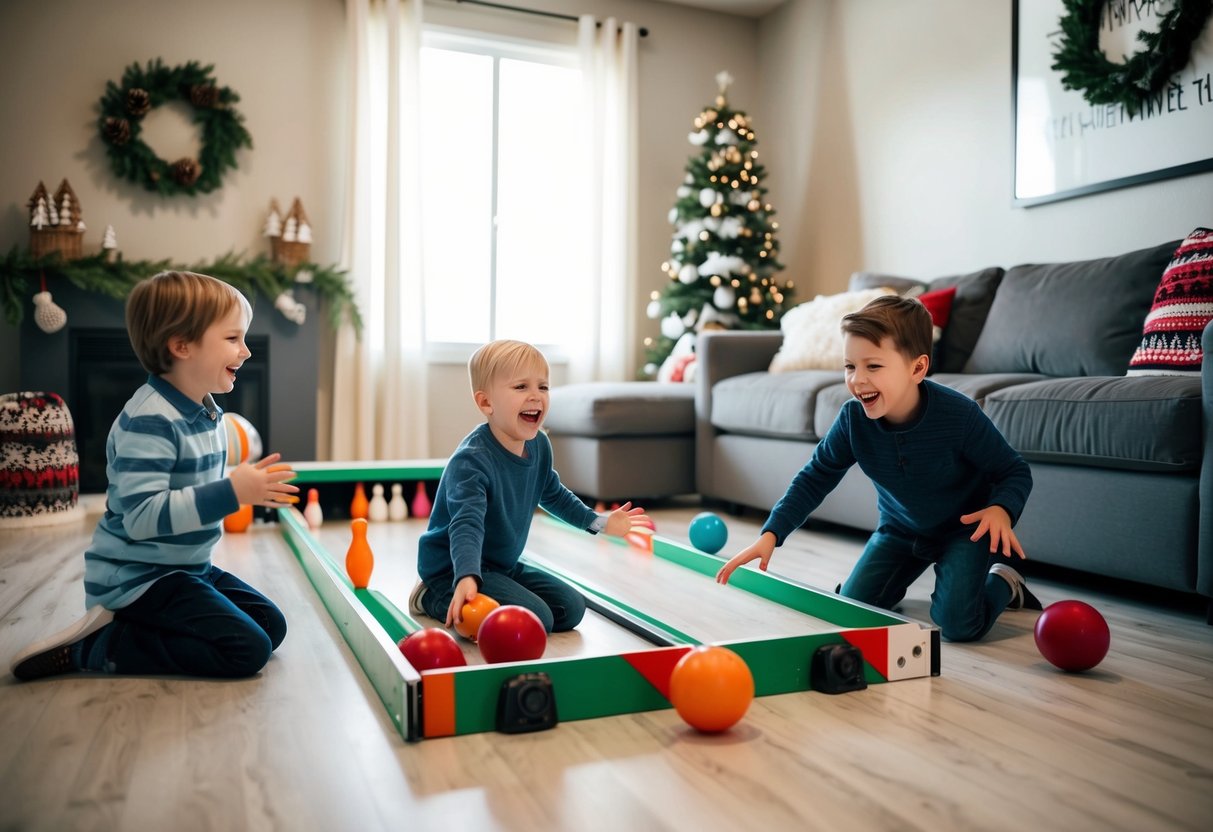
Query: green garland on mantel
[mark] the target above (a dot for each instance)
(21, 274)
(1084, 67)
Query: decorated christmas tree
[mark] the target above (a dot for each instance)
(723, 253)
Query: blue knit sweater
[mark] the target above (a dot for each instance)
(485, 502)
(950, 461)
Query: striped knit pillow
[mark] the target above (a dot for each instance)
(1183, 304)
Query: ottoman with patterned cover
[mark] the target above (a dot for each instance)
(39, 466)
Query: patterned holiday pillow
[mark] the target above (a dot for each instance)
(1183, 304)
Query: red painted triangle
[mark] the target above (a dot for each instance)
(656, 665)
(874, 644)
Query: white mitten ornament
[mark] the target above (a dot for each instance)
(49, 316)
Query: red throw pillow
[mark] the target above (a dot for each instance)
(939, 304)
(1183, 304)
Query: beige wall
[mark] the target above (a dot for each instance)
(891, 149)
(884, 126)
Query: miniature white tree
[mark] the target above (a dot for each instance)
(305, 233)
(65, 209)
(110, 240)
(273, 223)
(51, 212)
(289, 233)
(39, 218)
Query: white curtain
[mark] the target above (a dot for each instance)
(608, 60)
(378, 388)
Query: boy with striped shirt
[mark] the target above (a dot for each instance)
(155, 602)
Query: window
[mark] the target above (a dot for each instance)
(504, 215)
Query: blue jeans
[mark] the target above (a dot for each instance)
(215, 625)
(559, 606)
(967, 598)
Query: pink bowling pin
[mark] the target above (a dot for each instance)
(421, 502)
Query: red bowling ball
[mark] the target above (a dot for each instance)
(430, 649)
(511, 634)
(1072, 635)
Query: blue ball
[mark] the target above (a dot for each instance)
(708, 532)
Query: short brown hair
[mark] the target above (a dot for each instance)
(172, 305)
(905, 320)
(502, 358)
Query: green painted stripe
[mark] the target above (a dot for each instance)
(583, 688)
(824, 605)
(781, 665)
(362, 472)
(396, 623)
(674, 633)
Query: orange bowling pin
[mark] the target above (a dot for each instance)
(359, 561)
(359, 506)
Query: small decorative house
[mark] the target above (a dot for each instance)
(290, 236)
(55, 224)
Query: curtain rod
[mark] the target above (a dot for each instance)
(644, 32)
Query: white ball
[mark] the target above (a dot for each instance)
(654, 309)
(688, 274)
(672, 326)
(707, 197)
(724, 297)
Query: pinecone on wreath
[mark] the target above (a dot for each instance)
(138, 102)
(204, 95)
(186, 171)
(117, 131)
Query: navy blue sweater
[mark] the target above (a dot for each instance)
(485, 502)
(950, 461)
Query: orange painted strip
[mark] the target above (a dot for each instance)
(438, 704)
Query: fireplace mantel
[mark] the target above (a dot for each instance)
(46, 364)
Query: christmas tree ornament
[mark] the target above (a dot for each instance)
(109, 244)
(49, 316)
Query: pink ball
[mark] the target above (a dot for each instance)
(1072, 635)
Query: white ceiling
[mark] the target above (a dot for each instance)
(742, 8)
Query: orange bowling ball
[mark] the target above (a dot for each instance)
(711, 688)
(474, 612)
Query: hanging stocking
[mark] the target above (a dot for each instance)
(49, 316)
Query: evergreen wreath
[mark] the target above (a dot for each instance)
(1084, 66)
(143, 89)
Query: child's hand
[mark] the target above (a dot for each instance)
(997, 523)
(760, 550)
(263, 483)
(466, 590)
(623, 519)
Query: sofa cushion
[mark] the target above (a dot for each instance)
(1070, 319)
(1183, 305)
(970, 306)
(812, 337)
(1142, 423)
(771, 404)
(626, 408)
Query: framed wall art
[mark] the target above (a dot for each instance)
(1103, 135)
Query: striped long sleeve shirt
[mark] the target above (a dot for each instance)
(951, 461)
(167, 494)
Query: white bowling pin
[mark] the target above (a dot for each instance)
(397, 509)
(312, 513)
(378, 510)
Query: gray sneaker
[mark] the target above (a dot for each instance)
(1021, 597)
(415, 597)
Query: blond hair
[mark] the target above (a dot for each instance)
(172, 305)
(502, 358)
(904, 320)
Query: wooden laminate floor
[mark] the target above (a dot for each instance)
(1000, 741)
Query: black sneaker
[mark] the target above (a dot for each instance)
(55, 655)
(1021, 597)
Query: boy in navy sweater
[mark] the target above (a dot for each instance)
(945, 478)
(487, 498)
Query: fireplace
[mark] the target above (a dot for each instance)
(91, 364)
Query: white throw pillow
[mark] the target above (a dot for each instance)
(811, 337)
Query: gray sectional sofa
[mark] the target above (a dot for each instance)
(1123, 484)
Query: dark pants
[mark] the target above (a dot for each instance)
(967, 598)
(558, 605)
(214, 625)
